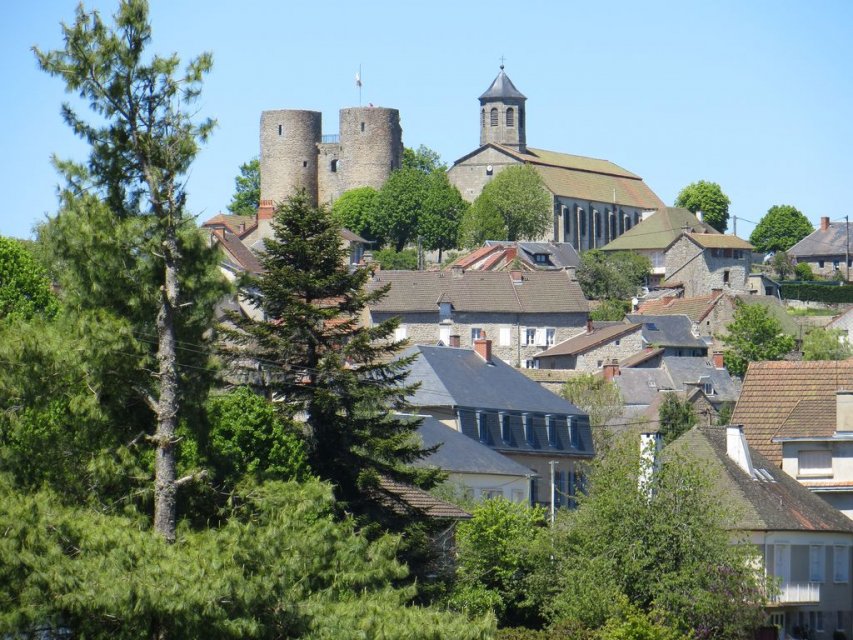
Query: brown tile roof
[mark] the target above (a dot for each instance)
(641, 357)
(695, 308)
(811, 416)
(719, 241)
(349, 236)
(539, 292)
(419, 500)
(658, 231)
(772, 392)
(231, 222)
(239, 252)
(587, 341)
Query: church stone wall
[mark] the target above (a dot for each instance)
(289, 139)
(472, 174)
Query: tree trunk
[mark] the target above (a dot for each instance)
(168, 403)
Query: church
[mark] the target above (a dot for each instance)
(594, 200)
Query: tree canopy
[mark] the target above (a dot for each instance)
(599, 398)
(513, 206)
(676, 416)
(826, 344)
(781, 228)
(753, 335)
(356, 210)
(423, 159)
(707, 197)
(247, 189)
(606, 275)
(25, 289)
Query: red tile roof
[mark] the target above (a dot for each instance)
(584, 342)
(420, 500)
(695, 308)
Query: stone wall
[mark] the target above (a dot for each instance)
(591, 225)
(371, 146)
(288, 161)
(472, 174)
(701, 272)
(594, 359)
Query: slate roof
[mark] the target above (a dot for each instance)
(640, 357)
(486, 291)
(693, 370)
(587, 341)
(642, 386)
(719, 241)
(695, 308)
(502, 87)
(668, 331)
(772, 392)
(778, 504)
(403, 497)
(462, 454)
(831, 242)
(659, 230)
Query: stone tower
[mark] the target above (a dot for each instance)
(371, 148)
(502, 114)
(289, 139)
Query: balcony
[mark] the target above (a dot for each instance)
(330, 138)
(797, 593)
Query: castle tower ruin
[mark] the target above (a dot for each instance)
(289, 139)
(371, 146)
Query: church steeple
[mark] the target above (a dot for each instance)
(502, 114)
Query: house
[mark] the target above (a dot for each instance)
(655, 233)
(588, 351)
(472, 468)
(800, 540)
(702, 262)
(674, 333)
(826, 250)
(505, 256)
(521, 312)
(762, 284)
(594, 201)
(494, 404)
(799, 415)
(843, 324)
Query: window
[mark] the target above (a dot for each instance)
(489, 170)
(726, 276)
(551, 426)
(627, 224)
(400, 333)
(517, 495)
(531, 364)
(483, 118)
(510, 117)
(818, 626)
(505, 336)
(304, 163)
(279, 129)
(738, 254)
(815, 463)
(839, 620)
(618, 342)
(840, 564)
(597, 223)
(528, 427)
(506, 434)
(835, 264)
(530, 336)
(581, 222)
(573, 432)
(820, 263)
(540, 258)
(708, 388)
(493, 117)
(362, 126)
(489, 494)
(444, 335)
(817, 558)
(476, 332)
(334, 166)
(550, 334)
(444, 310)
(482, 427)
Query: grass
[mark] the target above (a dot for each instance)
(807, 311)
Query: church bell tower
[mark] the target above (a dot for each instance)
(502, 117)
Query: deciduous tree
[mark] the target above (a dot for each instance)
(826, 344)
(708, 198)
(781, 228)
(247, 189)
(356, 210)
(598, 397)
(25, 289)
(753, 335)
(612, 276)
(676, 416)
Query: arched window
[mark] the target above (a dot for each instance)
(493, 117)
(483, 118)
(582, 230)
(597, 223)
(627, 223)
(510, 117)
(334, 166)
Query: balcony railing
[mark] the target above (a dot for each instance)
(798, 593)
(330, 138)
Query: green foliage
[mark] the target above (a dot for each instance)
(708, 198)
(282, 566)
(389, 259)
(442, 214)
(607, 276)
(249, 436)
(247, 189)
(826, 344)
(423, 159)
(610, 310)
(725, 415)
(782, 264)
(812, 292)
(753, 335)
(676, 416)
(515, 205)
(803, 271)
(597, 397)
(356, 211)
(493, 557)
(637, 625)
(25, 289)
(781, 228)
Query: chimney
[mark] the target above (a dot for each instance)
(265, 210)
(483, 347)
(454, 340)
(650, 444)
(515, 274)
(456, 271)
(737, 449)
(717, 358)
(843, 411)
(824, 223)
(588, 324)
(611, 369)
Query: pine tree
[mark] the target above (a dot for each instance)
(319, 360)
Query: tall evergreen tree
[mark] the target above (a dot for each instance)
(323, 363)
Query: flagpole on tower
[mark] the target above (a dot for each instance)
(358, 83)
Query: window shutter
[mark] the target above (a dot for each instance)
(505, 336)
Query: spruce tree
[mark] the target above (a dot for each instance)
(324, 364)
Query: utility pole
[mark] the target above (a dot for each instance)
(552, 463)
(847, 246)
(734, 225)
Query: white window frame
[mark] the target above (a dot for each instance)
(813, 463)
(490, 493)
(550, 336)
(529, 336)
(531, 363)
(840, 564)
(476, 333)
(817, 563)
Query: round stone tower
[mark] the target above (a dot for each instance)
(371, 142)
(289, 139)
(502, 117)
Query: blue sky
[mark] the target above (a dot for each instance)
(757, 96)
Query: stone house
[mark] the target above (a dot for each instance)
(826, 250)
(799, 415)
(522, 313)
(800, 540)
(703, 262)
(496, 405)
(674, 333)
(590, 350)
(594, 200)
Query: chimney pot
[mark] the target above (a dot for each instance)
(611, 369)
(718, 360)
(589, 325)
(824, 223)
(483, 347)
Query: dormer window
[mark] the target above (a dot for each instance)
(482, 427)
(540, 258)
(444, 309)
(551, 426)
(528, 428)
(506, 434)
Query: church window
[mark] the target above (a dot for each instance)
(597, 224)
(510, 117)
(493, 117)
(582, 221)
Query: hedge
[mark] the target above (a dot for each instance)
(812, 292)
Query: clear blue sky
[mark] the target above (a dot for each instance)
(757, 96)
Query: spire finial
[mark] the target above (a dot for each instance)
(502, 63)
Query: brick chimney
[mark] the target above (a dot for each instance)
(611, 369)
(844, 411)
(266, 210)
(515, 274)
(717, 358)
(824, 223)
(483, 347)
(588, 324)
(454, 340)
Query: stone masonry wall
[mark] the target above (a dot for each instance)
(700, 272)
(288, 140)
(371, 143)
(471, 175)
